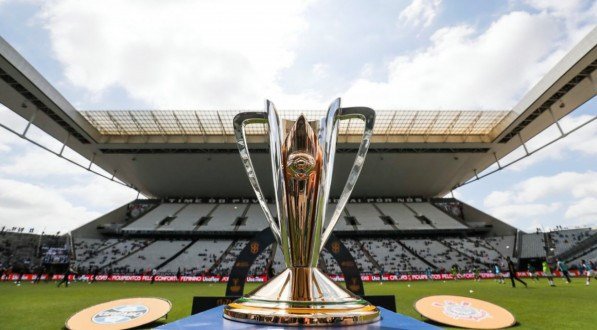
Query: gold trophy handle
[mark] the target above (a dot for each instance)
(368, 116)
(240, 121)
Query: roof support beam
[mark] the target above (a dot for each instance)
(523, 144)
(557, 122)
(64, 144)
(30, 121)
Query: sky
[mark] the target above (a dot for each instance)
(419, 54)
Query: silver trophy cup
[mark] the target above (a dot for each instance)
(302, 158)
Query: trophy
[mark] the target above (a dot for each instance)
(302, 157)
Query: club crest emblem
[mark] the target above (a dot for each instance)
(254, 247)
(335, 247)
(119, 314)
(462, 311)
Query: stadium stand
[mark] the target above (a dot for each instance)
(566, 239)
(198, 258)
(441, 255)
(503, 244)
(18, 250)
(377, 234)
(86, 247)
(404, 218)
(437, 217)
(589, 256)
(393, 257)
(228, 257)
(343, 223)
(255, 219)
(261, 262)
(223, 217)
(474, 248)
(187, 218)
(533, 245)
(367, 217)
(149, 257)
(112, 253)
(358, 253)
(330, 265)
(152, 219)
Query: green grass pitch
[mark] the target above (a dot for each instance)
(43, 306)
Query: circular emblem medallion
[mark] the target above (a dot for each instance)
(465, 312)
(119, 314)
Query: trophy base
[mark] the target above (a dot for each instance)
(301, 296)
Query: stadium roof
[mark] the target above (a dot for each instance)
(193, 154)
(483, 124)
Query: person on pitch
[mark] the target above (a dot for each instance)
(429, 274)
(178, 275)
(477, 273)
(547, 273)
(153, 273)
(95, 273)
(65, 278)
(532, 272)
(18, 282)
(498, 273)
(512, 271)
(454, 272)
(587, 270)
(40, 272)
(563, 268)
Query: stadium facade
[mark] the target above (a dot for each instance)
(201, 211)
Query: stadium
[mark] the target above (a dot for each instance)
(406, 234)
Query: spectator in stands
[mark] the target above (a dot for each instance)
(512, 271)
(547, 272)
(586, 268)
(563, 268)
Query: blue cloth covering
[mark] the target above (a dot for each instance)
(212, 320)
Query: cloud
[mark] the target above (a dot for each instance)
(541, 200)
(63, 200)
(23, 203)
(185, 55)
(584, 209)
(467, 68)
(420, 12)
(98, 193)
(321, 70)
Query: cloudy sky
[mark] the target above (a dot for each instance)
(420, 54)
